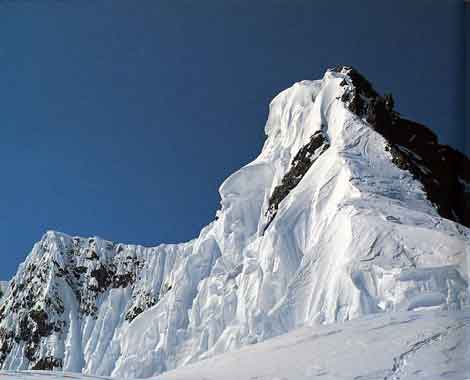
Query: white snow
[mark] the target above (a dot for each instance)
(356, 237)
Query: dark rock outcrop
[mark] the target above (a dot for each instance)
(144, 303)
(48, 363)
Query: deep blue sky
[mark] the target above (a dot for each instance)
(122, 118)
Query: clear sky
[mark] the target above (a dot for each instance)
(122, 118)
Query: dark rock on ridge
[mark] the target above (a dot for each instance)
(443, 171)
(302, 161)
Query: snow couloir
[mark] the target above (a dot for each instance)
(348, 210)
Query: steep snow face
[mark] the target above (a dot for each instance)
(324, 226)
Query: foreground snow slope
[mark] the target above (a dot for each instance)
(340, 216)
(408, 345)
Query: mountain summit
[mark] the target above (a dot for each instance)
(349, 210)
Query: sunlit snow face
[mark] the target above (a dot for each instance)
(243, 194)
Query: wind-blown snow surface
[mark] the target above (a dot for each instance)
(406, 345)
(355, 236)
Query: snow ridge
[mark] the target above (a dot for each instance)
(332, 221)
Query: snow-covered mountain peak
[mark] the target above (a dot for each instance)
(348, 210)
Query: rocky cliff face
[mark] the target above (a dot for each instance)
(348, 210)
(67, 283)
